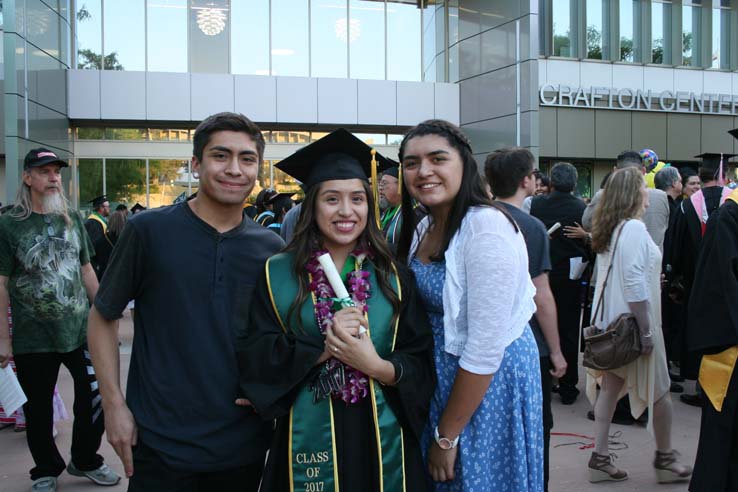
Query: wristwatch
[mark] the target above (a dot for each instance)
(444, 442)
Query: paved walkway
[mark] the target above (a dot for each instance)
(568, 461)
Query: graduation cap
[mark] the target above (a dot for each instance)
(277, 196)
(713, 162)
(137, 207)
(339, 155)
(734, 133)
(393, 171)
(98, 201)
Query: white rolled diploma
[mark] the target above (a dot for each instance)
(334, 278)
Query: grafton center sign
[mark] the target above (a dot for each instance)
(637, 100)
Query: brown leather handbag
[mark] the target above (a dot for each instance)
(620, 343)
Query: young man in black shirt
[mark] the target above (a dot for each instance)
(512, 179)
(191, 268)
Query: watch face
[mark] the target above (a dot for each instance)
(445, 443)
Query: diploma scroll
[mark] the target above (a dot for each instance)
(334, 278)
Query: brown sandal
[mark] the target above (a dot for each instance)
(668, 469)
(601, 469)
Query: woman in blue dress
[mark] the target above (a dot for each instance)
(484, 432)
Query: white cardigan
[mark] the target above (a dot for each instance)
(488, 293)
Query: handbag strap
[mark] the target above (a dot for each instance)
(601, 301)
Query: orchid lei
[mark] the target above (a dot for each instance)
(356, 382)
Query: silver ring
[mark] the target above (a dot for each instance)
(335, 349)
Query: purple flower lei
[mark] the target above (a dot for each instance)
(359, 287)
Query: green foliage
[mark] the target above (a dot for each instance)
(88, 59)
(594, 43)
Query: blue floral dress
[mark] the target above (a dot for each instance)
(501, 448)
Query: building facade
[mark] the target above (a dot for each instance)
(117, 86)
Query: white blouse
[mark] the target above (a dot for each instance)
(487, 293)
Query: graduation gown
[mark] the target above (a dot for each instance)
(686, 240)
(96, 231)
(276, 365)
(712, 328)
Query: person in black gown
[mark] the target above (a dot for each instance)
(688, 229)
(712, 331)
(349, 404)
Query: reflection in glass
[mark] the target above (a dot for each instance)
(691, 34)
(372, 138)
(403, 39)
(331, 33)
(366, 51)
(125, 133)
(564, 34)
(42, 28)
(595, 29)
(168, 180)
(167, 35)
(89, 35)
(290, 137)
(208, 36)
(90, 179)
(630, 30)
(394, 139)
(721, 36)
(290, 37)
(661, 32)
(250, 37)
(429, 36)
(158, 134)
(125, 180)
(124, 35)
(90, 133)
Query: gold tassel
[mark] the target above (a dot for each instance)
(375, 188)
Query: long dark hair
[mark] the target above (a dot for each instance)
(308, 239)
(471, 193)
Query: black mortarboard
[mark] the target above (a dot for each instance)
(711, 160)
(137, 207)
(338, 155)
(393, 171)
(98, 200)
(734, 133)
(277, 196)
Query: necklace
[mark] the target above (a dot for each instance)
(336, 378)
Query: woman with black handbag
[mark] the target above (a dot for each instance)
(628, 281)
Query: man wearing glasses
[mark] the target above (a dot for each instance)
(45, 273)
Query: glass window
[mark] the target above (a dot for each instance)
(290, 37)
(250, 37)
(283, 182)
(125, 180)
(721, 36)
(630, 30)
(372, 138)
(125, 134)
(124, 35)
(290, 137)
(42, 28)
(429, 35)
(564, 30)
(366, 51)
(691, 33)
(661, 32)
(331, 33)
(90, 133)
(403, 36)
(89, 34)
(264, 176)
(168, 180)
(209, 35)
(167, 36)
(90, 179)
(158, 134)
(596, 28)
(394, 139)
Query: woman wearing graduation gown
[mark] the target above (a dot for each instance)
(350, 404)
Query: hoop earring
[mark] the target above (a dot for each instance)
(196, 175)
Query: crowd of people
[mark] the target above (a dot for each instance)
(360, 339)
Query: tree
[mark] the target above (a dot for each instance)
(626, 50)
(594, 43)
(88, 59)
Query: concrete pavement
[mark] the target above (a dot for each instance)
(568, 462)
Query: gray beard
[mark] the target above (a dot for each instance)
(383, 203)
(55, 204)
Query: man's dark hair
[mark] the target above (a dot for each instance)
(665, 178)
(629, 158)
(121, 207)
(564, 177)
(506, 168)
(233, 122)
(687, 172)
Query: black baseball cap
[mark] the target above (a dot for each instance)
(41, 157)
